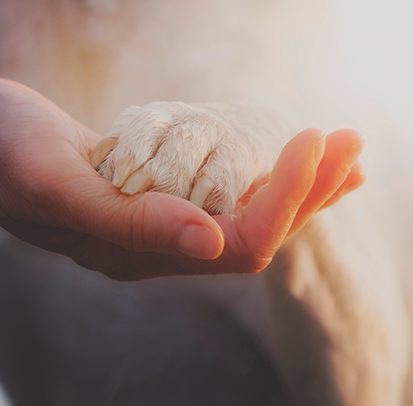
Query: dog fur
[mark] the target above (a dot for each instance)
(325, 324)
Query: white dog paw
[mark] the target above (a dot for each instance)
(208, 153)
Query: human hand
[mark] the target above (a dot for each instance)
(53, 198)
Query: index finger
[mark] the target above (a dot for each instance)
(269, 215)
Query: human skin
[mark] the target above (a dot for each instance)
(53, 198)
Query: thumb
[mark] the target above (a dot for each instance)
(143, 222)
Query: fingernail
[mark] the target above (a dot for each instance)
(199, 242)
(353, 153)
(319, 147)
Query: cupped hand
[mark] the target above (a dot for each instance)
(53, 198)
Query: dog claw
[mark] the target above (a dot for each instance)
(139, 181)
(203, 187)
(122, 171)
(101, 150)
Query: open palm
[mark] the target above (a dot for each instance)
(53, 198)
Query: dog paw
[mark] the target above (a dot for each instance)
(210, 154)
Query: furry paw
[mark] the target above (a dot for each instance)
(210, 154)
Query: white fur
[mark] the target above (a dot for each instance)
(330, 310)
(356, 325)
(232, 144)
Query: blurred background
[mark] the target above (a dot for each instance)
(325, 63)
(375, 52)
